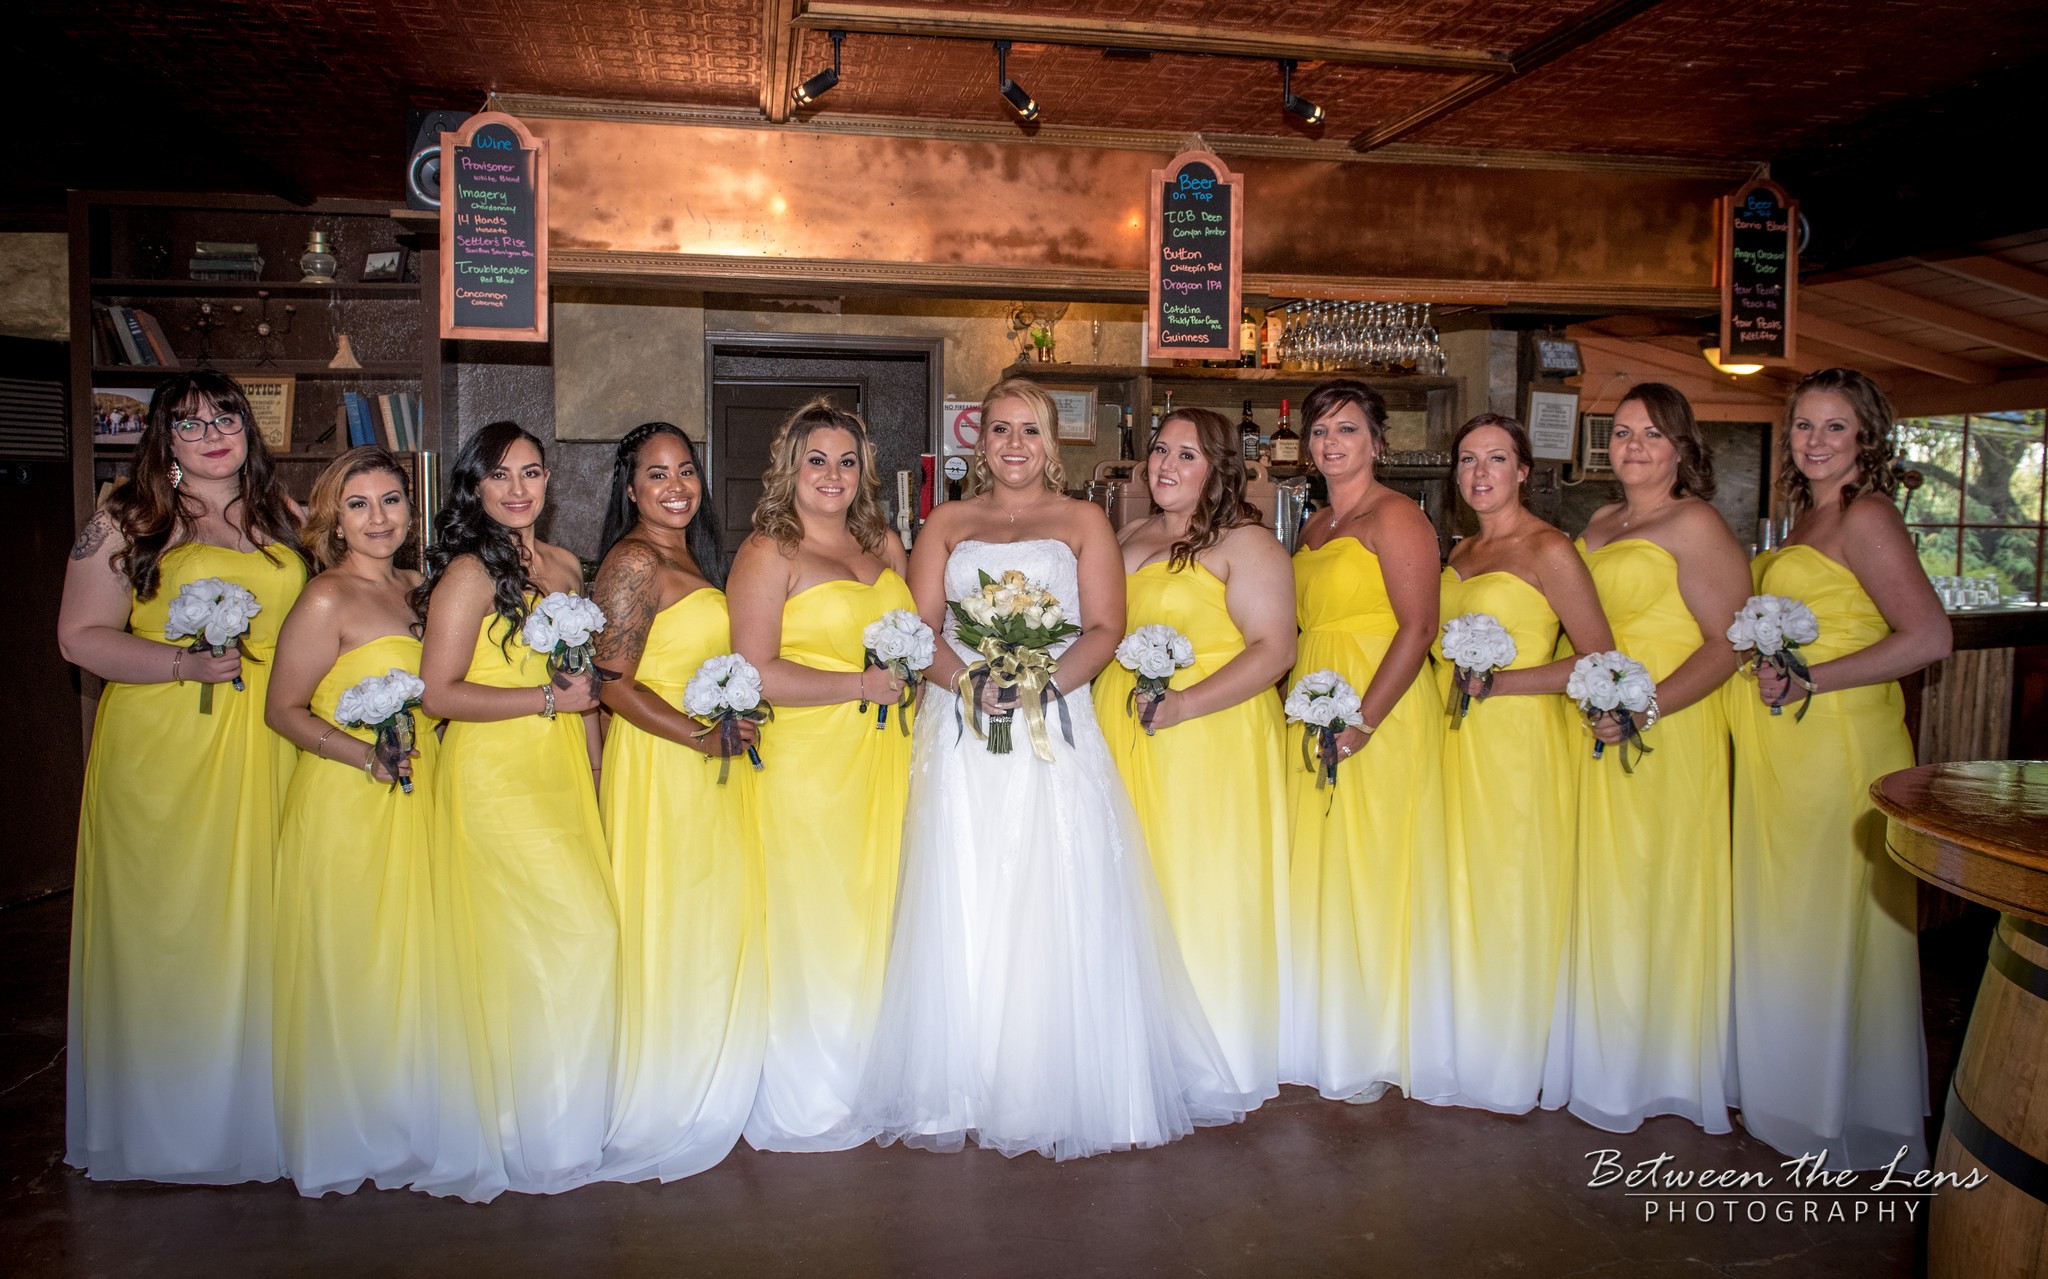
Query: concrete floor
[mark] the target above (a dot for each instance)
(1303, 1187)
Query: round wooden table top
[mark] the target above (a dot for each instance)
(1978, 829)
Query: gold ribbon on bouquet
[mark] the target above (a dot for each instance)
(1029, 671)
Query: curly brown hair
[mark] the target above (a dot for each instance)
(1671, 414)
(323, 510)
(1222, 506)
(979, 478)
(1874, 423)
(775, 515)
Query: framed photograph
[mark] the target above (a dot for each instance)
(1553, 422)
(271, 398)
(1077, 414)
(118, 414)
(386, 265)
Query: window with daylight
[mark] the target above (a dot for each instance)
(1978, 512)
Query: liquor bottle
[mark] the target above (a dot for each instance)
(1286, 444)
(1248, 434)
(1169, 407)
(1248, 341)
(1126, 444)
(1276, 326)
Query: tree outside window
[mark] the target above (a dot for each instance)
(1979, 511)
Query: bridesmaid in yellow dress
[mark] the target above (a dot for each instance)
(1648, 1021)
(1829, 1054)
(1371, 965)
(353, 1048)
(1511, 773)
(821, 564)
(169, 1058)
(685, 851)
(522, 887)
(1209, 783)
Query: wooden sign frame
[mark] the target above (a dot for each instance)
(1155, 199)
(536, 151)
(1724, 271)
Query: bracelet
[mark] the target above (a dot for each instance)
(864, 684)
(1368, 729)
(547, 710)
(319, 746)
(177, 660)
(370, 762)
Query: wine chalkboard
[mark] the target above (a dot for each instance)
(1759, 270)
(494, 231)
(1197, 252)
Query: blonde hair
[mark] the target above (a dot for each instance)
(775, 514)
(322, 531)
(1048, 414)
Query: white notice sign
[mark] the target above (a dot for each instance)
(1553, 415)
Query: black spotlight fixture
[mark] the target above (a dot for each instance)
(1309, 112)
(1013, 93)
(815, 87)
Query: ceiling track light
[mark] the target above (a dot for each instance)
(815, 87)
(1013, 93)
(1309, 112)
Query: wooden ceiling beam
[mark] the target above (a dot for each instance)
(1996, 272)
(1862, 342)
(1911, 306)
(1159, 37)
(1572, 34)
(779, 42)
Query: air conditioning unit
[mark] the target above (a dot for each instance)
(1596, 431)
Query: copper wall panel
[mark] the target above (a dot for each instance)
(650, 190)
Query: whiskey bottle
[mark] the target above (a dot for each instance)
(1248, 341)
(1248, 434)
(1286, 445)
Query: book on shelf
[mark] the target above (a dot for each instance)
(224, 249)
(159, 342)
(129, 336)
(361, 427)
(226, 270)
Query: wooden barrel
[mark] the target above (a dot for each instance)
(1996, 1121)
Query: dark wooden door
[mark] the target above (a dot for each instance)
(744, 415)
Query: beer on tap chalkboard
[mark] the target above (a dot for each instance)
(494, 231)
(1759, 270)
(1197, 252)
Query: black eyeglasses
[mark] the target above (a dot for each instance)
(194, 428)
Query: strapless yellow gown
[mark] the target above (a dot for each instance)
(168, 1069)
(686, 853)
(831, 819)
(523, 903)
(1370, 938)
(1211, 795)
(1510, 807)
(355, 951)
(1829, 1054)
(1648, 1021)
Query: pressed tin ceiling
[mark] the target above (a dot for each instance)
(311, 97)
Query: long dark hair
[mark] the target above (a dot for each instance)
(1873, 439)
(1671, 413)
(150, 511)
(464, 527)
(621, 515)
(1223, 506)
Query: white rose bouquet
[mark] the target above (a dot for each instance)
(1476, 644)
(214, 613)
(724, 691)
(383, 704)
(1011, 621)
(1774, 626)
(900, 643)
(1617, 686)
(1154, 653)
(560, 627)
(1325, 706)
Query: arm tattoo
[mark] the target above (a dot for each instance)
(92, 536)
(628, 591)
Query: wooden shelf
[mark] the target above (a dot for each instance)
(1166, 373)
(250, 288)
(400, 369)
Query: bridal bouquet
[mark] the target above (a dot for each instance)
(1325, 706)
(724, 691)
(1616, 685)
(1774, 626)
(560, 627)
(1154, 653)
(383, 704)
(900, 643)
(215, 614)
(1011, 621)
(1475, 644)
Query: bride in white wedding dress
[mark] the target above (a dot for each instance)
(1035, 997)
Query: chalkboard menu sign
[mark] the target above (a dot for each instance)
(1197, 247)
(1759, 270)
(494, 231)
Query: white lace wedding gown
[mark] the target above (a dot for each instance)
(1035, 996)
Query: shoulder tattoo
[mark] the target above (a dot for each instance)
(92, 536)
